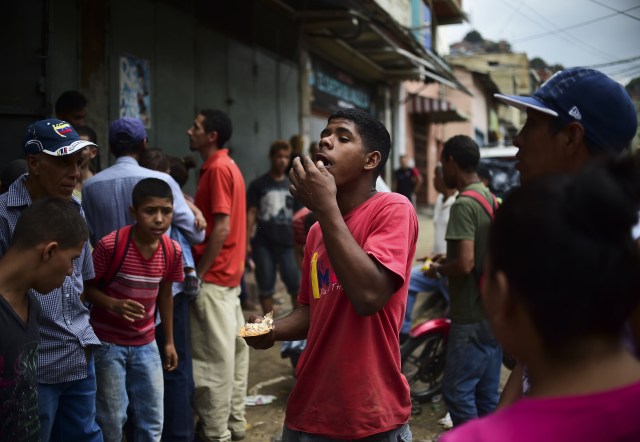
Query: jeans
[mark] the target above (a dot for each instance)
(472, 372)
(267, 259)
(129, 376)
(178, 384)
(400, 434)
(68, 410)
(421, 283)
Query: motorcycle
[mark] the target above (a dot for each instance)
(423, 358)
(423, 355)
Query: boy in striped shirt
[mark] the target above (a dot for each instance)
(135, 267)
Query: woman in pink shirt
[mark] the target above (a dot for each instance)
(564, 275)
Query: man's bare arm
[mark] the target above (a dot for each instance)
(221, 228)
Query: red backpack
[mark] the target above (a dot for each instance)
(122, 242)
(489, 208)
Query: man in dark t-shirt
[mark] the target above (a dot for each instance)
(407, 179)
(19, 342)
(270, 208)
(48, 236)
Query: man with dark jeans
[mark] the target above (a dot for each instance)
(472, 370)
(271, 207)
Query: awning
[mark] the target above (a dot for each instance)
(438, 111)
(363, 38)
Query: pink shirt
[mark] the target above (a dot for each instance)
(349, 384)
(600, 417)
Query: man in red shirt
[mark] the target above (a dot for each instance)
(220, 357)
(353, 293)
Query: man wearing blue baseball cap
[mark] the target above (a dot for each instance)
(577, 114)
(107, 195)
(66, 373)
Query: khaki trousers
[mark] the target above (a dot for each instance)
(220, 362)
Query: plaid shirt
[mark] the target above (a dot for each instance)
(64, 323)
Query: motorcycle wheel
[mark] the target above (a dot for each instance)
(423, 360)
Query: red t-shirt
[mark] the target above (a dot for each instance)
(297, 222)
(221, 190)
(349, 384)
(598, 417)
(138, 279)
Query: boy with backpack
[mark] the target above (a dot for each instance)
(49, 235)
(135, 268)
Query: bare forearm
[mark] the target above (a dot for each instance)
(165, 306)
(294, 326)
(98, 297)
(455, 268)
(251, 223)
(464, 261)
(214, 245)
(367, 284)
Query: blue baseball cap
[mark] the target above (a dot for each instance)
(53, 137)
(600, 104)
(126, 130)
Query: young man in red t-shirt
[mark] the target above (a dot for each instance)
(220, 357)
(126, 289)
(353, 293)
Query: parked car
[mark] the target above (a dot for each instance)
(501, 162)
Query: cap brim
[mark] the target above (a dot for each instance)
(524, 103)
(69, 149)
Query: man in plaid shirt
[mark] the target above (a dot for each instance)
(66, 374)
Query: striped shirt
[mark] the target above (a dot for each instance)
(64, 322)
(106, 198)
(138, 279)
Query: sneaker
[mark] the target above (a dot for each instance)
(446, 422)
(238, 435)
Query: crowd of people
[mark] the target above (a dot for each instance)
(120, 295)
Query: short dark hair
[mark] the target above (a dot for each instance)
(150, 188)
(584, 222)
(464, 151)
(70, 101)
(121, 150)
(217, 121)
(277, 146)
(50, 219)
(375, 137)
(483, 171)
(179, 168)
(87, 132)
(154, 159)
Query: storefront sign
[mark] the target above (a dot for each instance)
(334, 89)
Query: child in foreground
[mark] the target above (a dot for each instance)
(130, 281)
(564, 320)
(49, 235)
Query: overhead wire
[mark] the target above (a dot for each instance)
(574, 26)
(566, 38)
(624, 12)
(576, 41)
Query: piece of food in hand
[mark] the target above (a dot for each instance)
(258, 328)
(427, 264)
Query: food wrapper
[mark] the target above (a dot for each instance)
(258, 328)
